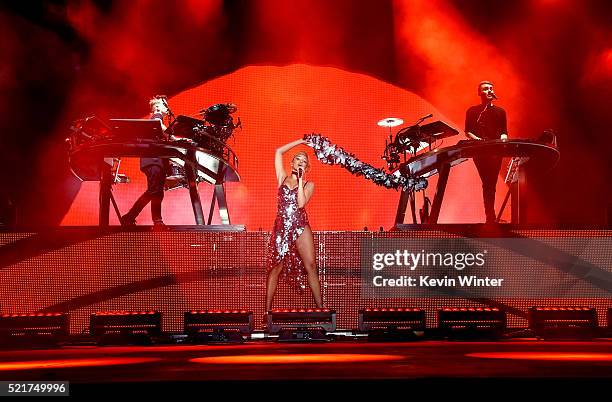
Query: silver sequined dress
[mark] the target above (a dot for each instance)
(289, 225)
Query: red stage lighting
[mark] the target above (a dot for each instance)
(391, 324)
(33, 328)
(301, 324)
(563, 322)
(218, 325)
(472, 322)
(125, 326)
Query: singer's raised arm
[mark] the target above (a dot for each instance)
(278, 159)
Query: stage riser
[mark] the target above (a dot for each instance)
(81, 271)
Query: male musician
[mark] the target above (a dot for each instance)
(487, 122)
(155, 170)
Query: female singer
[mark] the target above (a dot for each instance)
(291, 248)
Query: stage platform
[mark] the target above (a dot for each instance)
(82, 270)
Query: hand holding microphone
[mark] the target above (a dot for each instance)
(300, 172)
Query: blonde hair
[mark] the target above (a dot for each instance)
(153, 101)
(305, 155)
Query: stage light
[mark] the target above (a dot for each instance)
(33, 329)
(391, 324)
(125, 327)
(301, 325)
(564, 322)
(218, 326)
(472, 322)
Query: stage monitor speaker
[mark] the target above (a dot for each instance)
(472, 322)
(391, 324)
(564, 322)
(301, 325)
(218, 326)
(125, 327)
(33, 329)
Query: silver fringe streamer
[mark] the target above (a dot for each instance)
(331, 154)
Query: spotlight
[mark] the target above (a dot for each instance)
(472, 322)
(391, 324)
(218, 326)
(125, 327)
(564, 322)
(42, 329)
(301, 325)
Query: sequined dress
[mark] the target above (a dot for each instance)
(289, 225)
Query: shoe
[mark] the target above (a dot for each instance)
(126, 220)
(159, 226)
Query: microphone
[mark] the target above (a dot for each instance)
(493, 95)
(419, 121)
(300, 172)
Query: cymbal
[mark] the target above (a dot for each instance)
(390, 122)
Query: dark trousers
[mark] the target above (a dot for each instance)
(488, 169)
(156, 177)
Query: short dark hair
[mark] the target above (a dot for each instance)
(481, 83)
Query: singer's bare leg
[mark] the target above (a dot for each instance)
(271, 285)
(305, 246)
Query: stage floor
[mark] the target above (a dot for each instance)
(149, 368)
